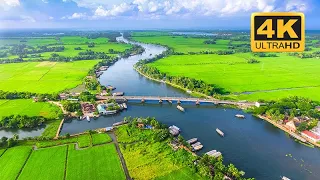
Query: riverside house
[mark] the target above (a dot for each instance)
(291, 126)
(310, 136)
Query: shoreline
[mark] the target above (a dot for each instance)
(292, 134)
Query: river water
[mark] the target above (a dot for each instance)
(253, 145)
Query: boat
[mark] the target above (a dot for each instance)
(197, 148)
(180, 108)
(174, 130)
(285, 178)
(193, 140)
(118, 94)
(196, 144)
(88, 118)
(220, 132)
(124, 105)
(240, 116)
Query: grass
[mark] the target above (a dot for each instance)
(48, 163)
(147, 159)
(2, 151)
(12, 161)
(84, 141)
(43, 77)
(100, 138)
(97, 162)
(29, 108)
(184, 173)
(182, 44)
(272, 78)
(51, 129)
(30, 41)
(44, 144)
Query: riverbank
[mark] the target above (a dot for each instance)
(292, 134)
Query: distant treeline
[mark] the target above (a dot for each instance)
(28, 95)
(21, 121)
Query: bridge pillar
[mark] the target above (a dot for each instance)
(198, 102)
(160, 101)
(178, 102)
(169, 101)
(142, 100)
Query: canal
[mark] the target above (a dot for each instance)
(253, 145)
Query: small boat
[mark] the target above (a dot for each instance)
(124, 105)
(220, 132)
(240, 116)
(88, 118)
(180, 108)
(193, 140)
(196, 144)
(197, 148)
(285, 178)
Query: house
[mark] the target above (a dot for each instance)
(317, 108)
(87, 108)
(291, 126)
(316, 129)
(310, 136)
(257, 104)
(140, 125)
(63, 96)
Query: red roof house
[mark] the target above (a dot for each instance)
(310, 135)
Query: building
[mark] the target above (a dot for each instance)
(317, 108)
(310, 136)
(316, 129)
(87, 108)
(291, 126)
(257, 104)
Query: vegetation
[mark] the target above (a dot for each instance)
(97, 162)
(42, 165)
(100, 138)
(84, 141)
(51, 129)
(21, 121)
(149, 156)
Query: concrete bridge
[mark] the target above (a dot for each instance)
(177, 100)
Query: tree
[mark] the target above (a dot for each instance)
(15, 137)
(67, 135)
(11, 142)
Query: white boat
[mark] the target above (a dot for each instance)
(220, 132)
(88, 118)
(180, 108)
(197, 148)
(193, 140)
(285, 178)
(196, 144)
(240, 116)
(124, 105)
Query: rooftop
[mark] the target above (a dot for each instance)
(311, 134)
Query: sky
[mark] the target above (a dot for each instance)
(147, 14)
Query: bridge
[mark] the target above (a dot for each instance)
(177, 100)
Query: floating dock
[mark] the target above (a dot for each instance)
(220, 132)
(240, 116)
(193, 140)
(180, 108)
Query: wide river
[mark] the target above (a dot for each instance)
(253, 145)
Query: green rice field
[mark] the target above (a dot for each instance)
(43, 77)
(100, 138)
(182, 44)
(12, 161)
(48, 163)
(84, 141)
(29, 108)
(97, 162)
(272, 78)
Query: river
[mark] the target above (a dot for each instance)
(253, 145)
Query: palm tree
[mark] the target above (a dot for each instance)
(15, 137)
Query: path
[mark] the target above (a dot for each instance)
(123, 162)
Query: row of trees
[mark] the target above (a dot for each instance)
(315, 54)
(9, 142)
(21, 121)
(28, 95)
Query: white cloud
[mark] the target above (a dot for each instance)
(116, 10)
(27, 19)
(45, 1)
(8, 4)
(76, 16)
(51, 18)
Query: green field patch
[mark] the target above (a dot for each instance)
(184, 173)
(234, 74)
(84, 141)
(29, 108)
(100, 138)
(29, 41)
(2, 151)
(82, 40)
(51, 129)
(44, 144)
(43, 77)
(48, 163)
(97, 162)
(12, 161)
(183, 44)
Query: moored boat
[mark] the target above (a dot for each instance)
(88, 118)
(197, 148)
(220, 132)
(285, 178)
(193, 140)
(180, 108)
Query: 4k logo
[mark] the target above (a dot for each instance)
(277, 32)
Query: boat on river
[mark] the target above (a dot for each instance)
(240, 116)
(196, 144)
(193, 140)
(285, 178)
(180, 108)
(220, 132)
(88, 118)
(197, 148)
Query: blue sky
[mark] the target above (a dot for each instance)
(146, 14)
